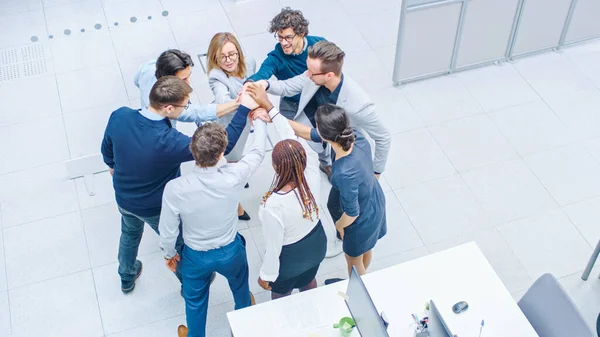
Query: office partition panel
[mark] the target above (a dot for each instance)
(486, 31)
(428, 39)
(585, 22)
(540, 25)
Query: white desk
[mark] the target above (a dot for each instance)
(458, 274)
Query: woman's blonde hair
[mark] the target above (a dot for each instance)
(217, 42)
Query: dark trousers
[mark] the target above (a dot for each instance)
(288, 108)
(132, 229)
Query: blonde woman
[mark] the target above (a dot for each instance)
(228, 69)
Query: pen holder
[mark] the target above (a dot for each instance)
(345, 325)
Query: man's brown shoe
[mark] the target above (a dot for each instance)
(252, 300)
(182, 331)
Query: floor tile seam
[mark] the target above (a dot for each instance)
(495, 109)
(381, 257)
(461, 177)
(6, 274)
(15, 12)
(495, 228)
(439, 123)
(406, 214)
(63, 4)
(37, 119)
(427, 180)
(513, 157)
(56, 84)
(579, 142)
(345, 10)
(412, 223)
(91, 67)
(89, 268)
(577, 228)
(511, 63)
(170, 27)
(4, 228)
(87, 248)
(71, 273)
(143, 325)
(583, 72)
(488, 117)
(231, 23)
(118, 61)
(527, 272)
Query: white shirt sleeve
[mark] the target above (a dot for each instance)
(272, 227)
(168, 225)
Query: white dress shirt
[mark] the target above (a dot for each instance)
(206, 201)
(281, 215)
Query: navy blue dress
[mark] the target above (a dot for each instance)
(356, 192)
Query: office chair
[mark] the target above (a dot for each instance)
(551, 311)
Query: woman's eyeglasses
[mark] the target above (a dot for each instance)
(232, 57)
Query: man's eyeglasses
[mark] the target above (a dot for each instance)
(232, 57)
(185, 107)
(310, 75)
(288, 38)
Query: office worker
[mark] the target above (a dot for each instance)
(356, 201)
(228, 69)
(205, 201)
(174, 62)
(144, 152)
(288, 58)
(325, 83)
(295, 240)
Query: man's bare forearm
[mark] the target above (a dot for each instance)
(301, 130)
(226, 108)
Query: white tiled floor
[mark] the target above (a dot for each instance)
(507, 156)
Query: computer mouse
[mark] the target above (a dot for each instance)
(460, 307)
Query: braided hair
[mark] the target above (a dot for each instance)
(289, 161)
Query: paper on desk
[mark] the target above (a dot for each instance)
(298, 316)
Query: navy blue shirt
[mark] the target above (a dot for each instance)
(284, 66)
(146, 154)
(322, 96)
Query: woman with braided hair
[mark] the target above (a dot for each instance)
(356, 201)
(295, 240)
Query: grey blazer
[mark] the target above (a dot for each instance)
(357, 103)
(225, 89)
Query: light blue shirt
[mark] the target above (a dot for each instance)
(145, 78)
(150, 115)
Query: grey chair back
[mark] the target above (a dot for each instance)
(551, 311)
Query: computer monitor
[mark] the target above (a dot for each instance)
(363, 311)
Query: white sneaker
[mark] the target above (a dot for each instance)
(334, 248)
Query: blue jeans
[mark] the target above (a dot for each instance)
(132, 229)
(197, 268)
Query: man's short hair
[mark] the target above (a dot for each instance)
(171, 61)
(169, 90)
(289, 18)
(208, 142)
(330, 55)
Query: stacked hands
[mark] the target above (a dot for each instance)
(254, 97)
